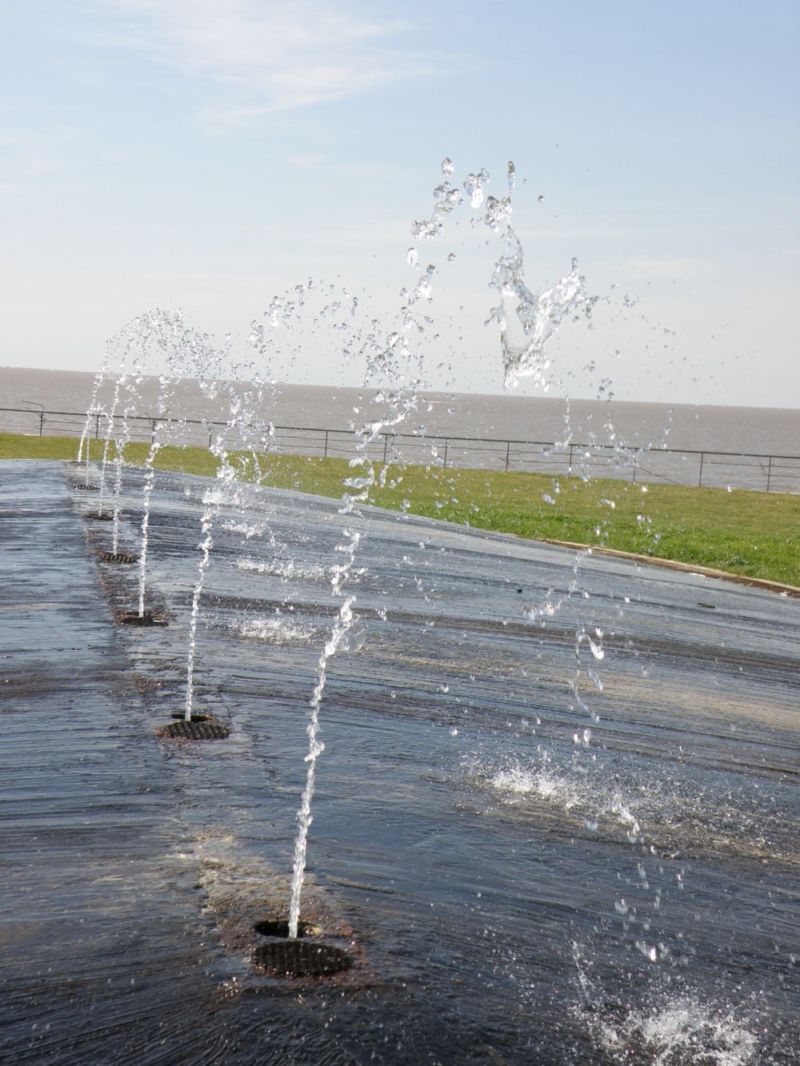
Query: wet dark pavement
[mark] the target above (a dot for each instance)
(500, 879)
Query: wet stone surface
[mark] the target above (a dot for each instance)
(509, 889)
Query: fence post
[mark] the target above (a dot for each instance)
(41, 423)
(325, 446)
(385, 447)
(508, 452)
(769, 472)
(97, 426)
(633, 473)
(571, 447)
(153, 433)
(444, 461)
(700, 476)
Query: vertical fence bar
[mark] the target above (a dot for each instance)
(633, 471)
(508, 454)
(444, 461)
(571, 449)
(41, 423)
(700, 475)
(385, 447)
(325, 445)
(97, 426)
(769, 473)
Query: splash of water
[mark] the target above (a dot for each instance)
(684, 1031)
(277, 630)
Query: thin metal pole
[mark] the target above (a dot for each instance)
(325, 446)
(385, 447)
(769, 472)
(41, 423)
(508, 452)
(97, 426)
(633, 476)
(700, 476)
(444, 462)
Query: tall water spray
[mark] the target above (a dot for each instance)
(526, 321)
(93, 411)
(130, 385)
(173, 350)
(242, 429)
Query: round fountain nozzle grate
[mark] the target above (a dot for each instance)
(300, 958)
(85, 487)
(133, 618)
(199, 727)
(119, 557)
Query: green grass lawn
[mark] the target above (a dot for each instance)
(752, 533)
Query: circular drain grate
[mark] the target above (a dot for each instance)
(83, 487)
(119, 557)
(300, 958)
(133, 618)
(201, 727)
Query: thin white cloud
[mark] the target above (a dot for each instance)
(266, 57)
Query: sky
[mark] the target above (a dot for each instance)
(210, 154)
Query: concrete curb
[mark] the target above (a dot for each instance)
(686, 568)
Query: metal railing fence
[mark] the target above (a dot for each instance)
(716, 469)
